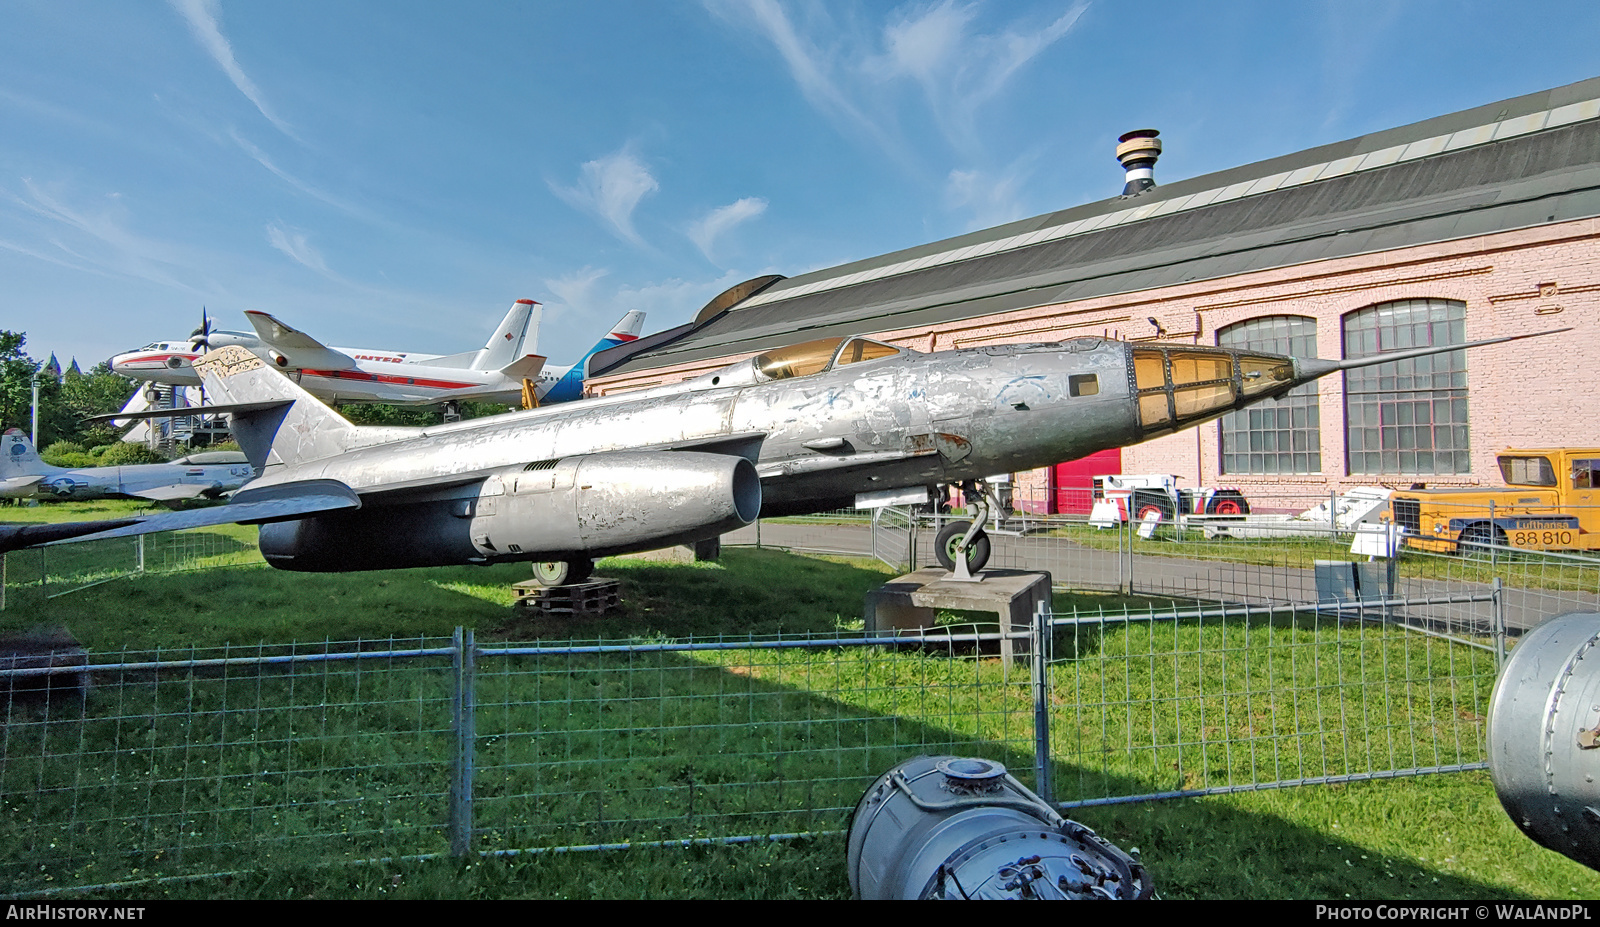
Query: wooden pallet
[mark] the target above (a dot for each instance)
(595, 597)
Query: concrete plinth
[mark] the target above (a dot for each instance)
(912, 602)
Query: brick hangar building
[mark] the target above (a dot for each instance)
(1473, 225)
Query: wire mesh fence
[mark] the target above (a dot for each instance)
(1197, 701)
(1286, 660)
(61, 569)
(202, 762)
(1295, 561)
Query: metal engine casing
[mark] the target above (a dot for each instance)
(599, 504)
(593, 505)
(1544, 736)
(937, 827)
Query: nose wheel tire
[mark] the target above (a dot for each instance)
(562, 572)
(944, 546)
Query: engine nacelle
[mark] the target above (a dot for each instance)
(590, 506)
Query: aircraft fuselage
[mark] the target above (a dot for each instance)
(905, 420)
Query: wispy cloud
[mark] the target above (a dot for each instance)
(576, 290)
(852, 73)
(989, 198)
(261, 158)
(820, 63)
(611, 188)
(705, 232)
(201, 15)
(591, 293)
(100, 238)
(959, 68)
(298, 247)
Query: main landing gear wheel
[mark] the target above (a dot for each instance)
(944, 547)
(562, 572)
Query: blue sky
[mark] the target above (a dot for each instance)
(394, 174)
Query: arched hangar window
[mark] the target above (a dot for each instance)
(1274, 437)
(1410, 416)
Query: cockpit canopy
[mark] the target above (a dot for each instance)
(807, 358)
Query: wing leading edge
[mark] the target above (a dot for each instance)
(269, 504)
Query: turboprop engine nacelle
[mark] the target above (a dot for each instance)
(586, 506)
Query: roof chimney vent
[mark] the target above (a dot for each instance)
(1138, 151)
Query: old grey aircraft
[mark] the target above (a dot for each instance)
(807, 428)
(24, 475)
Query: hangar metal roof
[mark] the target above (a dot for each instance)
(1522, 162)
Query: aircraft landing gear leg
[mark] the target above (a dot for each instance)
(968, 554)
(452, 411)
(563, 572)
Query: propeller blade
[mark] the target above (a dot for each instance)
(201, 337)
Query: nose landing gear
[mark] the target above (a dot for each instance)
(963, 547)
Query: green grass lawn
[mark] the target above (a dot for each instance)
(284, 779)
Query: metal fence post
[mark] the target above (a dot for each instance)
(1494, 553)
(464, 725)
(139, 552)
(1497, 610)
(877, 518)
(1041, 702)
(1333, 515)
(1125, 536)
(911, 539)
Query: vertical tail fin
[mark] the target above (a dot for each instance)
(626, 330)
(570, 384)
(18, 457)
(510, 341)
(284, 424)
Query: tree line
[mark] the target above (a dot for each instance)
(66, 397)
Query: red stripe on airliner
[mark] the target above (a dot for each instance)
(384, 378)
(163, 358)
(529, 302)
(621, 337)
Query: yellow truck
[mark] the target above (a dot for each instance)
(1551, 501)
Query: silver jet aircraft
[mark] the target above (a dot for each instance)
(807, 428)
(24, 475)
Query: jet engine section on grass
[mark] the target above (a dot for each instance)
(1544, 736)
(577, 507)
(961, 828)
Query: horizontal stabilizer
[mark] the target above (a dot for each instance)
(175, 492)
(191, 410)
(18, 484)
(272, 503)
(526, 368)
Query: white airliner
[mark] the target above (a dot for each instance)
(494, 373)
(24, 475)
